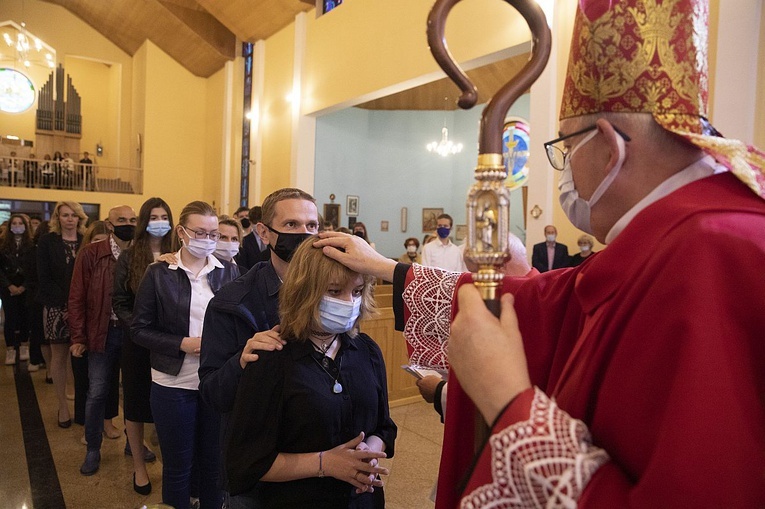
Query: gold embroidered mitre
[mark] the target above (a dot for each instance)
(650, 56)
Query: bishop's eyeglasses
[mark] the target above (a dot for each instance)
(557, 152)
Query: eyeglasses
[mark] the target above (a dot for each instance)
(201, 234)
(557, 155)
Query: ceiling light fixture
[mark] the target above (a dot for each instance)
(23, 48)
(444, 147)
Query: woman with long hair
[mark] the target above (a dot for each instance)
(153, 235)
(56, 252)
(310, 421)
(167, 319)
(15, 248)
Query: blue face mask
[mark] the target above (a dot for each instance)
(338, 316)
(158, 228)
(443, 231)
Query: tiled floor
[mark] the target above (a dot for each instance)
(413, 469)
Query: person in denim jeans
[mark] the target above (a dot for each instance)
(167, 319)
(93, 325)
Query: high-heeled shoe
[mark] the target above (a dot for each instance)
(63, 424)
(141, 490)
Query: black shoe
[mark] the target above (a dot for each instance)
(92, 462)
(64, 424)
(48, 380)
(141, 490)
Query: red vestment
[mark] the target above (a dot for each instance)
(656, 344)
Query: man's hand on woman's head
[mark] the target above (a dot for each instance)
(356, 254)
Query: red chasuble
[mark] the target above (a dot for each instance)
(649, 367)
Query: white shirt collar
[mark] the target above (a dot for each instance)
(212, 263)
(704, 167)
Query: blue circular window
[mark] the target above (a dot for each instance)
(17, 93)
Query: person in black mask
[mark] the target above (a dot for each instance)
(93, 325)
(243, 316)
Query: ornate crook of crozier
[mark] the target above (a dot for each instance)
(488, 203)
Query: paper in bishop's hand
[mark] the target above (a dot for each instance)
(420, 372)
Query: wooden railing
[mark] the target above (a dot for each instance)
(402, 389)
(69, 175)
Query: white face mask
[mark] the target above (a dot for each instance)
(585, 248)
(411, 249)
(200, 248)
(227, 250)
(551, 238)
(338, 316)
(578, 209)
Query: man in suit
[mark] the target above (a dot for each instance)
(253, 249)
(549, 255)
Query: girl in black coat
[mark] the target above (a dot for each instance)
(14, 251)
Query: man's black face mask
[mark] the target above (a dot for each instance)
(287, 243)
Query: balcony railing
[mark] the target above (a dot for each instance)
(70, 175)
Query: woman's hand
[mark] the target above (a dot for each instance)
(168, 258)
(269, 340)
(191, 345)
(373, 443)
(352, 462)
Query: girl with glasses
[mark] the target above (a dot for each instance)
(167, 319)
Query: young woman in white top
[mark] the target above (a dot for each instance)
(167, 319)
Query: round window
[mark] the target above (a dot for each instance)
(17, 93)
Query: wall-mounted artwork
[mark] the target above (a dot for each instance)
(332, 214)
(430, 219)
(352, 205)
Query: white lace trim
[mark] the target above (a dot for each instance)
(429, 300)
(543, 462)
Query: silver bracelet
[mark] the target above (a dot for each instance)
(321, 469)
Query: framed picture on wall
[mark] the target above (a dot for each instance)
(332, 214)
(351, 223)
(384, 226)
(460, 231)
(430, 219)
(352, 205)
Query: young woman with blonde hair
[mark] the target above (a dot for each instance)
(167, 319)
(311, 420)
(56, 252)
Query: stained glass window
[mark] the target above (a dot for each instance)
(17, 93)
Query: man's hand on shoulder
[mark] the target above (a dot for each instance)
(269, 340)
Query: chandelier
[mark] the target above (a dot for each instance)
(445, 147)
(24, 49)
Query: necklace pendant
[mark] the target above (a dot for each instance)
(337, 388)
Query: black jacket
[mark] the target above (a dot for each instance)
(54, 275)
(161, 311)
(13, 267)
(250, 253)
(539, 256)
(248, 305)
